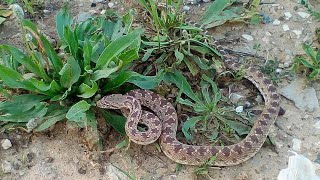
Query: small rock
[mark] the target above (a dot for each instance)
(7, 167)
(276, 22)
(317, 125)
(239, 109)
(234, 97)
(304, 15)
(297, 32)
(45, 11)
(304, 97)
(268, 33)
(296, 144)
(248, 37)
(82, 16)
(186, 8)
(206, 1)
(285, 27)
(288, 15)
(286, 64)
(6, 144)
(103, 11)
(111, 5)
(278, 70)
(259, 99)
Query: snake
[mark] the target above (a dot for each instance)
(162, 122)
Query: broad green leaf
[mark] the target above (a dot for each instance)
(21, 103)
(44, 43)
(144, 82)
(70, 73)
(87, 91)
(104, 73)
(14, 79)
(180, 81)
(148, 53)
(191, 66)
(72, 40)
(303, 61)
(29, 63)
(51, 89)
(78, 111)
(318, 56)
(240, 128)
(115, 48)
(179, 56)
(51, 119)
(310, 52)
(190, 123)
(116, 121)
(87, 53)
(129, 56)
(37, 111)
(314, 74)
(63, 19)
(215, 9)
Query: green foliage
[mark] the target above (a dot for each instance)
(221, 11)
(314, 13)
(205, 106)
(311, 61)
(93, 53)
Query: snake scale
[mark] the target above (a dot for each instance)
(163, 123)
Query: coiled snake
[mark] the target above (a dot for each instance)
(165, 121)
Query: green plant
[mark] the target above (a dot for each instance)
(315, 13)
(221, 11)
(64, 85)
(311, 62)
(206, 109)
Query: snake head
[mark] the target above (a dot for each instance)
(114, 101)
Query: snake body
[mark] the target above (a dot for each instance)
(166, 127)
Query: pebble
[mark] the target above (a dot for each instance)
(297, 32)
(239, 109)
(278, 70)
(247, 37)
(45, 11)
(285, 27)
(288, 15)
(234, 97)
(6, 144)
(304, 15)
(296, 144)
(317, 125)
(318, 158)
(304, 97)
(111, 5)
(7, 167)
(276, 22)
(186, 8)
(206, 1)
(259, 99)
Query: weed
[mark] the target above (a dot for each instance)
(311, 61)
(311, 9)
(59, 85)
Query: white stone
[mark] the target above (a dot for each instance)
(276, 22)
(6, 144)
(288, 15)
(268, 33)
(278, 70)
(111, 5)
(239, 109)
(186, 8)
(317, 125)
(297, 32)
(285, 27)
(296, 144)
(103, 11)
(304, 15)
(247, 37)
